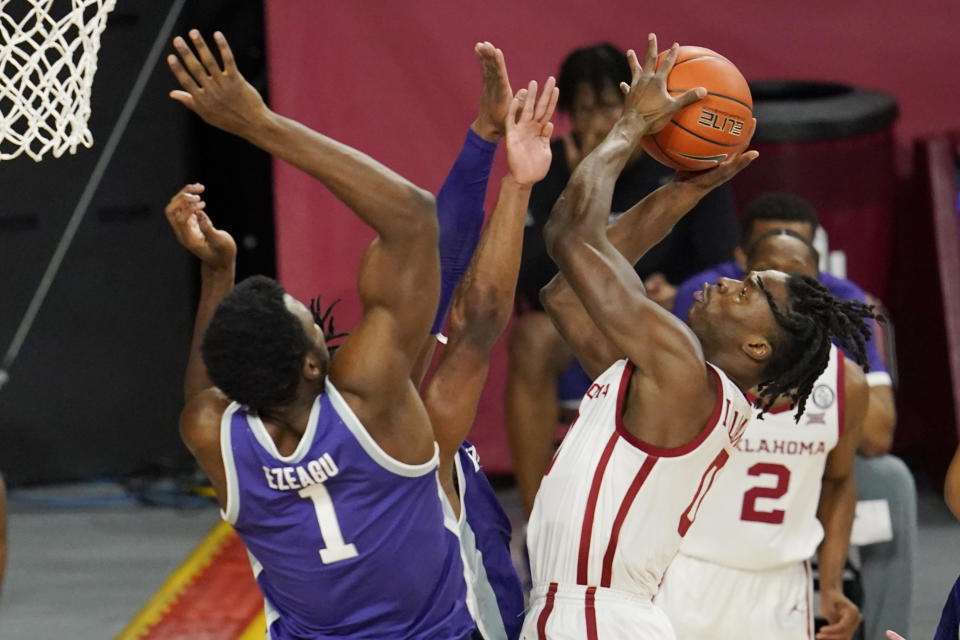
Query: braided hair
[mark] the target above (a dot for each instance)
(324, 320)
(813, 319)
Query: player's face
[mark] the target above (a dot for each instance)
(592, 116)
(733, 314)
(783, 253)
(311, 328)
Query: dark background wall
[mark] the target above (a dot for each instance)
(96, 388)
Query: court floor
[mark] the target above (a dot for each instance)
(84, 558)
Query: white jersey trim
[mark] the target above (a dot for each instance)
(370, 445)
(232, 511)
(483, 607)
(306, 440)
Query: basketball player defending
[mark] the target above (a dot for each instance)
(788, 490)
(659, 422)
(325, 467)
(481, 308)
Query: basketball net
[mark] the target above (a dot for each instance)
(48, 57)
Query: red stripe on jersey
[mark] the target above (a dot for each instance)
(752, 399)
(841, 378)
(631, 494)
(547, 608)
(587, 530)
(591, 612)
(663, 452)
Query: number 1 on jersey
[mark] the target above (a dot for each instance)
(336, 549)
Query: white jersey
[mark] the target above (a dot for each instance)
(612, 510)
(764, 514)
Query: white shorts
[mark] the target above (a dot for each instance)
(707, 600)
(575, 612)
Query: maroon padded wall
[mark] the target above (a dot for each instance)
(398, 80)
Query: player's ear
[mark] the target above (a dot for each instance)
(757, 348)
(312, 368)
(740, 256)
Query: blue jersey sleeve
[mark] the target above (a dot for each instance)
(460, 215)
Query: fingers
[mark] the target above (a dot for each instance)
(513, 108)
(529, 99)
(189, 60)
(668, 60)
(635, 69)
(206, 227)
(893, 635)
(185, 79)
(552, 106)
(650, 62)
(624, 88)
(547, 130)
(543, 102)
(184, 98)
(206, 57)
(689, 97)
(226, 54)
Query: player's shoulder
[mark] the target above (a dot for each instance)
(854, 379)
(200, 418)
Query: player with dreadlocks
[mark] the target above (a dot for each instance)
(666, 409)
(787, 494)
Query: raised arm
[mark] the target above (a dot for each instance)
(217, 252)
(394, 207)
(838, 500)
(484, 299)
(398, 282)
(642, 227)
(660, 346)
(461, 197)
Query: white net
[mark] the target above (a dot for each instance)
(48, 57)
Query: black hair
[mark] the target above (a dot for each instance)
(601, 66)
(254, 346)
(324, 320)
(780, 206)
(751, 250)
(813, 319)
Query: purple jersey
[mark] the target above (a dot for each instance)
(494, 594)
(344, 540)
(840, 287)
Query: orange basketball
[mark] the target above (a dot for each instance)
(710, 130)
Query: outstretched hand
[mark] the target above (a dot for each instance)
(194, 230)
(710, 179)
(528, 135)
(495, 95)
(221, 96)
(647, 95)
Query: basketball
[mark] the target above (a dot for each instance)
(710, 130)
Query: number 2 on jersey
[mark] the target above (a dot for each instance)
(336, 549)
(749, 510)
